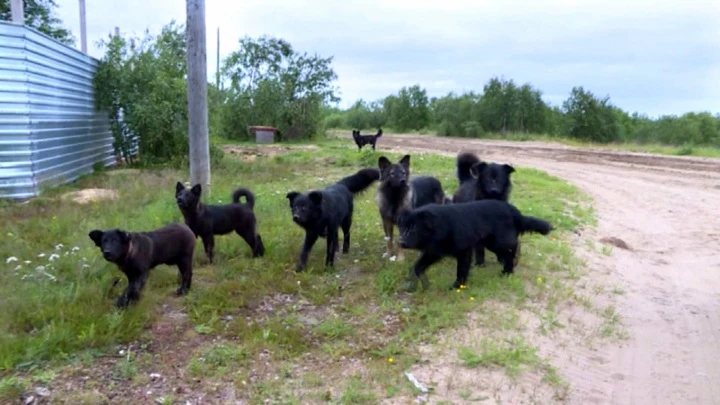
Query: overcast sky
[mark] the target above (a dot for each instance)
(656, 57)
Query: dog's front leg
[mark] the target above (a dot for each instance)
(310, 239)
(417, 272)
(388, 228)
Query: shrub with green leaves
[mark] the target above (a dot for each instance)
(141, 84)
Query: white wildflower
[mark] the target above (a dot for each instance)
(40, 268)
(41, 255)
(50, 276)
(18, 267)
(53, 257)
(58, 246)
(75, 249)
(393, 258)
(85, 266)
(11, 259)
(27, 262)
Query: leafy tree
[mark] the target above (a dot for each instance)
(142, 85)
(40, 14)
(409, 109)
(589, 118)
(272, 84)
(457, 115)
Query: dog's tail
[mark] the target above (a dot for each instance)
(360, 180)
(379, 134)
(525, 223)
(465, 161)
(243, 192)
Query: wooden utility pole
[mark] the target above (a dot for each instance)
(217, 68)
(17, 12)
(197, 96)
(83, 28)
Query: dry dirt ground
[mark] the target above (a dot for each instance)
(665, 209)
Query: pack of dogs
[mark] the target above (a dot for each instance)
(476, 217)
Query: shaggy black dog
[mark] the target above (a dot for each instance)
(362, 140)
(209, 220)
(322, 212)
(455, 229)
(136, 253)
(479, 181)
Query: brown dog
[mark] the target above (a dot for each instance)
(397, 193)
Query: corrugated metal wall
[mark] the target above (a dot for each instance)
(50, 132)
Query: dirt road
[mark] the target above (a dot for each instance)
(666, 209)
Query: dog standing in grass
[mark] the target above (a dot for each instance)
(321, 212)
(207, 221)
(362, 140)
(397, 193)
(136, 253)
(454, 230)
(480, 181)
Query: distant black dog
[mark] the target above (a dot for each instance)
(479, 181)
(322, 212)
(136, 253)
(362, 140)
(209, 220)
(397, 193)
(455, 229)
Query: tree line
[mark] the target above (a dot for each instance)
(141, 82)
(505, 107)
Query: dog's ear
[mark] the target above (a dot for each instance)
(316, 197)
(291, 196)
(405, 161)
(383, 163)
(196, 189)
(96, 236)
(124, 236)
(477, 169)
(508, 169)
(178, 188)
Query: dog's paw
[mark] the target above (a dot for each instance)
(410, 286)
(181, 291)
(122, 302)
(299, 267)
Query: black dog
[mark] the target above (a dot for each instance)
(322, 212)
(362, 140)
(479, 181)
(455, 229)
(136, 253)
(209, 220)
(398, 193)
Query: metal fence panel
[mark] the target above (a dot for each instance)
(50, 132)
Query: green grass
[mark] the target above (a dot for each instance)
(62, 314)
